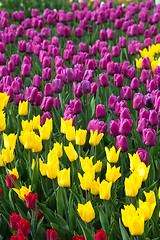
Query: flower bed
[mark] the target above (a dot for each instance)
(79, 129)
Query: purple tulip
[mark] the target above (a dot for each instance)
(78, 32)
(95, 124)
(48, 90)
(143, 113)
(18, 98)
(114, 127)
(118, 80)
(124, 113)
(125, 126)
(138, 101)
(77, 89)
(76, 105)
(100, 111)
(148, 100)
(135, 84)
(115, 51)
(86, 86)
(25, 70)
(122, 42)
(47, 104)
(146, 63)
(126, 93)
(94, 87)
(153, 117)
(103, 80)
(119, 106)
(44, 117)
(149, 137)
(112, 101)
(143, 155)
(38, 100)
(55, 103)
(142, 124)
(121, 141)
(46, 74)
(31, 94)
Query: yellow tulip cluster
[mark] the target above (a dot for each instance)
(139, 174)
(151, 52)
(7, 155)
(134, 218)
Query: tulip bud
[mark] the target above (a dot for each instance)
(135, 84)
(14, 218)
(37, 81)
(126, 93)
(57, 85)
(100, 111)
(48, 90)
(153, 118)
(114, 127)
(46, 74)
(9, 183)
(47, 104)
(148, 100)
(112, 101)
(149, 137)
(124, 113)
(146, 63)
(86, 86)
(52, 234)
(31, 200)
(118, 80)
(121, 141)
(118, 107)
(125, 126)
(143, 155)
(138, 101)
(23, 226)
(103, 80)
(44, 117)
(142, 124)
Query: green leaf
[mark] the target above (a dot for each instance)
(104, 220)
(87, 232)
(123, 231)
(60, 201)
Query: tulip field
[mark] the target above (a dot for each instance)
(79, 120)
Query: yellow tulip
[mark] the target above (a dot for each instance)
(95, 187)
(1, 161)
(65, 124)
(132, 184)
(71, 152)
(111, 154)
(43, 167)
(22, 191)
(113, 173)
(36, 122)
(143, 170)
(2, 121)
(10, 140)
(52, 165)
(134, 161)
(127, 213)
(27, 139)
(138, 62)
(86, 212)
(105, 190)
(95, 138)
(86, 163)
(150, 197)
(37, 147)
(44, 132)
(98, 166)
(23, 108)
(27, 126)
(136, 226)
(14, 171)
(49, 124)
(81, 136)
(58, 149)
(146, 209)
(159, 193)
(64, 178)
(154, 64)
(7, 155)
(3, 100)
(70, 133)
(86, 180)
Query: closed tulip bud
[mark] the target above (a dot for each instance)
(37, 81)
(105, 190)
(23, 108)
(52, 234)
(37, 144)
(86, 212)
(124, 113)
(118, 80)
(149, 137)
(100, 235)
(138, 101)
(122, 42)
(118, 107)
(110, 68)
(121, 142)
(57, 85)
(148, 100)
(22, 46)
(18, 98)
(10, 140)
(143, 155)
(103, 80)
(153, 118)
(26, 70)
(78, 32)
(81, 137)
(100, 111)
(126, 93)
(46, 74)
(112, 101)
(135, 84)
(132, 184)
(31, 200)
(110, 34)
(48, 90)
(143, 113)
(85, 86)
(115, 51)
(114, 127)
(47, 104)
(14, 219)
(77, 90)
(11, 66)
(82, 47)
(64, 178)
(146, 63)
(70, 152)
(23, 226)
(142, 124)
(125, 126)
(9, 182)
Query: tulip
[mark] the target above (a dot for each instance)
(126, 93)
(52, 167)
(47, 104)
(103, 80)
(149, 137)
(95, 138)
(9, 182)
(153, 117)
(86, 212)
(148, 100)
(27, 139)
(127, 214)
(86, 180)
(52, 234)
(10, 140)
(7, 155)
(111, 154)
(125, 126)
(142, 124)
(23, 226)
(23, 108)
(100, 235)
(113, 173)
(14, 219)
(100, 111)
(143, 155)
(135, 84)
(136, 227)
(143, 171)
(64, 178)
(86, 164)
(105, 190)
(80, 137)
(118, 80)
(138, 101)
(119, 106)
(132, 184)
(31, 200)
(78, 237)
(70, 152)
(121, 141)
(37, 147)
(112, 101)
